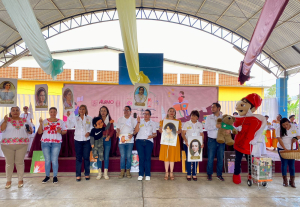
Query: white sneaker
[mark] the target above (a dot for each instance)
(140, 178)
(147, 178)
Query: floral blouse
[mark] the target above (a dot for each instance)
(15, 132)
(50, 134)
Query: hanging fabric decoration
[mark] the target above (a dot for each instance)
(268, 19)
(21, 13)
(127, 19)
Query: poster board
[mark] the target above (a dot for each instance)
(41, 97)
(169, 135)
(68, 98)
(8, 92)
(37, 162)
(140, 96)
(194, 150)
(183, 162)
(135, 161)
(93, 164)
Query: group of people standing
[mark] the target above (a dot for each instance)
(16, 129)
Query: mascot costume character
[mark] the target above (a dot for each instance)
(251, 127)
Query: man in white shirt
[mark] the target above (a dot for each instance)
(213, 147)
(125, 127)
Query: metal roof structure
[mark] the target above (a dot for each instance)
(231, 20)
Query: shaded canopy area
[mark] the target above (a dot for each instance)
(236, 16)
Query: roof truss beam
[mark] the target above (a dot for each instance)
(171, 16)
(199, 7)
(220, 17)
(57, 8)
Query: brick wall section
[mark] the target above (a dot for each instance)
(39, 74)
(209, 78)
(35, 73)
(169, 78)
(108, 76)
(84, 75)
(9, 72)
(228, 80)
(189, 79)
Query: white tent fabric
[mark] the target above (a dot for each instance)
(22, 15)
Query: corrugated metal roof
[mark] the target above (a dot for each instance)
(239, 16)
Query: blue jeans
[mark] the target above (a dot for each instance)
(125, 151)
(285, 163)
(106, 145)
(213, 148)
(144, 148)
(188, 165)
(82, 149)
(51, 153)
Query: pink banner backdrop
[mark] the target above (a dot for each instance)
(160, 98)
(268, 19)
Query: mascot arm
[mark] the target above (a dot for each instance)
(258, 135)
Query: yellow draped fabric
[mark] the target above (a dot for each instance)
(127, 18)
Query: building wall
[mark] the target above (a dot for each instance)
(100, 66)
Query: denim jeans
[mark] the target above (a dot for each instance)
(285, 163)
(144, 148)
(238, 160)
(107, 145)
(82, 149)
(213, 148)
(188, 165)
(51, 153)
(126, 151)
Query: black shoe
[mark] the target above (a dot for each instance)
(209, 177)
(55, 180)
(188, 179)
(78, 180)
(195, 179)
(87, 178)
(221, 178)
(47, 179)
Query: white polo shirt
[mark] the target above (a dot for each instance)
(287, 140)
(210, 125)
(192, 129)
(146, 129)
(126, 126)
(81, 126)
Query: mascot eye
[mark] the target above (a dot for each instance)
(242, 105)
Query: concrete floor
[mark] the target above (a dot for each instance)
(157, 192)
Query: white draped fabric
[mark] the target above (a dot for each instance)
(23, 17)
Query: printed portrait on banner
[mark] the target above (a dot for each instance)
(169, 135)
(141, 92)
(194, 149)
(41, 97)
(68, 98)
(8, 92)
(134, 161)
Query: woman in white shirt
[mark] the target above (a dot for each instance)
(52, 130)
(192, 128)
(125, 128)
(14, 144)
(146, 130)
(289, 135)
(83, 126)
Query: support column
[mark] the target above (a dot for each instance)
(282, 96)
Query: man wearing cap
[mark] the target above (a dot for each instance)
(250, 127)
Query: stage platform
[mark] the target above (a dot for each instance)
(67, 164)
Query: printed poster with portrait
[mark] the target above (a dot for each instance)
(41, 97)
(68, 98)
(134, 161)
(169, 135)
(194, 149)
(140, 99)
(8, 92)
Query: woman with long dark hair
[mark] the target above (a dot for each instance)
(83, 126)
(107, 135)
(287, 140)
